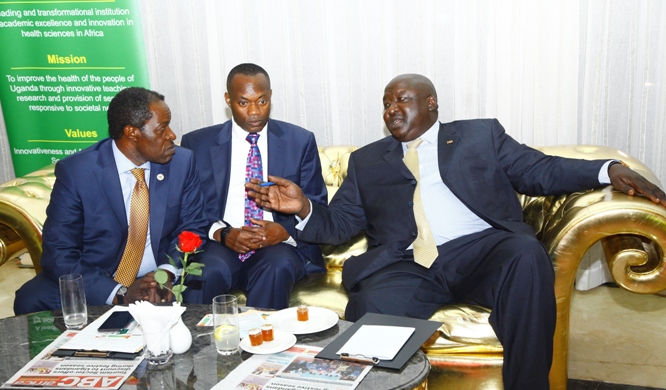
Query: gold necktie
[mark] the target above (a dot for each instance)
(138, 230)
(425, 249)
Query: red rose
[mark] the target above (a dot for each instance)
(189, 242)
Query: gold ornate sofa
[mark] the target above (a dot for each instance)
(23, 204)
(632, 231)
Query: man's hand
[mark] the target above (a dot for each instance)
(147, 289)
(247, 238)
(631, 183)
(285, 196)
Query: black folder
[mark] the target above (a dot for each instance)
(423, 330)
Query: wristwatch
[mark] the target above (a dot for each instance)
(617, 162)
(120, 295)
(224, 233)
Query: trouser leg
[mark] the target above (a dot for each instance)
(271, 275)
(513, 275)
(221, 267)
(37, 294)
(510, 273)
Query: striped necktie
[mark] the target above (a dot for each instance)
(253, 169)
(425, 249)
(138, 230)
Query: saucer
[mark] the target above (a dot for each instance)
(319, 320)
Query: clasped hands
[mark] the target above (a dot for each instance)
(146, 288)
(248, 238)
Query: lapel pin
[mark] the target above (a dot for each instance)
(449, 142)
(160, 177)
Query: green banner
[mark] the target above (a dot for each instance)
(61, 62)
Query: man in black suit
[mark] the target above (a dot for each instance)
(485, 253)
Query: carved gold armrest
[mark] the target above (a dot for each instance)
(636, 262)
(23, 204)
(632, 230)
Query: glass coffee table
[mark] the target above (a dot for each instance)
(201, 367)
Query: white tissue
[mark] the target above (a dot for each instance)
(156, 322)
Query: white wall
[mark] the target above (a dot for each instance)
(553, 72)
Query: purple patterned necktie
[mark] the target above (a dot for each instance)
(253, 169)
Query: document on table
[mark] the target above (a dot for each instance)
(92, 340)
(377, 341)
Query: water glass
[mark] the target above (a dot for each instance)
(225, 321)
(73, 301)
(162, 378)
(157, 347)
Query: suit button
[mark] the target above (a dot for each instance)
(414, 182)
(411, 204)
(414, 234)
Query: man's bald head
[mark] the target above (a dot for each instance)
(417, 81)
(410, 106)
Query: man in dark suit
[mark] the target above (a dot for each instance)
(86, 227)
(468, 173)
(257, 254)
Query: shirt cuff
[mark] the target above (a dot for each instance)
(302, 222)
(109, 300)
(175, 271)
(217, 225)
(604, 178)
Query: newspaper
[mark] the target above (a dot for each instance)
(51, 372)
(295, 368)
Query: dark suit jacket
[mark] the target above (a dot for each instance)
(86, 223)
(292, 154)
(482, 165)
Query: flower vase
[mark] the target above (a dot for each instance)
(181, 337)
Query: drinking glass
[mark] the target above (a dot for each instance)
(163, 378)
(73, 301)
(157, 347)
(225, 321)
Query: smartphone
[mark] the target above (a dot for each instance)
(117, 321)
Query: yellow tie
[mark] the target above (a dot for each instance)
(425, 249)
(138, 230)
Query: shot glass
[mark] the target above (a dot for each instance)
(302, 313)
(256, 338)
(73, 301)
(225, 322)
(267, 332)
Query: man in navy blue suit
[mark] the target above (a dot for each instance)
(86, 227)
(484, 253)
(259, 255)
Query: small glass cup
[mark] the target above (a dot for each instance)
(157, 347)
(302, 313)
(267, 332)
(256, 337)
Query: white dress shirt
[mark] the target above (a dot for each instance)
(234, 213)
